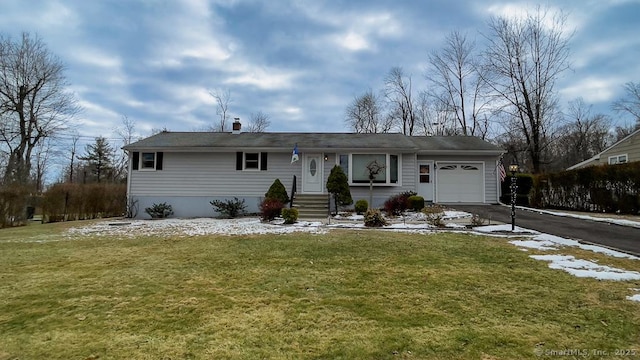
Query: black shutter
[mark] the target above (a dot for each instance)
(136, 160)
(239, 160)
(263, 161)
(159, 156)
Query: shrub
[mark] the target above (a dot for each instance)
(477, 220)
(278, 192)
(416, 202)
(525, 185)
(159, 211)
(230, 208)
(432, 209)
(397, 204)
(270, 209)
(361, 206)
(338, 186)
(374, 218)
(435, 219)
(290, 215)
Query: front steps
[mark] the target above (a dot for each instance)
(312, 206)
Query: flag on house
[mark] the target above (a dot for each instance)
(294, 156)
(501, 171)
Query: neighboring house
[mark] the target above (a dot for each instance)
(189, 169)
(624, 151)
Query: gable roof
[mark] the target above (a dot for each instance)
(597, 156)
(284, 141)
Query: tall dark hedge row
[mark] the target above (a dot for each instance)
(606, 188)
(525, 184)
(83, 201)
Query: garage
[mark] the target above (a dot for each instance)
(460, 183)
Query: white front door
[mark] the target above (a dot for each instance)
(425, 180)
(312, 173)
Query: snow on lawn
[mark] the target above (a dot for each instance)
(584, 268)
(409, 222)
(193, 227)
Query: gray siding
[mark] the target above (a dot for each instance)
(630, 147)
(189, 180)
(212, 174)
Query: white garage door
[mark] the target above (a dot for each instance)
(459, 183)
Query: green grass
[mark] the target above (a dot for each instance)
(343, 295)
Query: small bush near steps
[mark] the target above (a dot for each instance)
(374, 218)
(159, 211)
(290, 215)
(270, 209)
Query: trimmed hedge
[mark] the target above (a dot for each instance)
(605, 188)
(525, 184)
(65, 201)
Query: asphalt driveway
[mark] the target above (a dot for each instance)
(624, 238)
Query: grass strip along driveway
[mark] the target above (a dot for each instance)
(346, 294)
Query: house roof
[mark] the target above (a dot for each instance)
(597, 156)
(284, 141)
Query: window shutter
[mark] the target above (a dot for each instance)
(239, 160)
(136, 160)
(159, 156)
(263, 161)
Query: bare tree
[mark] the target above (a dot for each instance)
(223, 99)
(126, 133)
(258, 122)
(585, 135)
(458, 85)
(34, 104)
(73, 154)
(523, 60)
(365, 115)
(629, 104)
(398, 92)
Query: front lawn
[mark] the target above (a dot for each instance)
(347, 294)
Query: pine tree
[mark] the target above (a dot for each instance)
(99, 158)
(338, 186)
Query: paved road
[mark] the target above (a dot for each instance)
(624, 238)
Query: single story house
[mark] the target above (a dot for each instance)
(189, 169)
(624, 151)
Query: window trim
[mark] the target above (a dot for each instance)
(617, 159)
(387, 180)
(241, 161)
(141, 166)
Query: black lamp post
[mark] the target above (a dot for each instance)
(513, 168)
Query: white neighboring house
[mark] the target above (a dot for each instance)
(624, 151)
(189, 169)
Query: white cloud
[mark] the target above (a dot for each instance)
(593, 89)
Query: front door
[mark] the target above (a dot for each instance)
(312, 173)
(425, 180)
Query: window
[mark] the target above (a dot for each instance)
(618, 159)
(251, 161)
(425, 173)
(389, 174)
(146, 160)
(344, 163)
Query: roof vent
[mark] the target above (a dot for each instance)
(236, 126)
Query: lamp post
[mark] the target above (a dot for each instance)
(513, 168)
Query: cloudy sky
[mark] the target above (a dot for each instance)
(299, 61)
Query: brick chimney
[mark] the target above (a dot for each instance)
(236, 126)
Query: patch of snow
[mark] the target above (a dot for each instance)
(597, 249)
(194, 227)
(503, 228)
(584, 268)
(534, 244)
